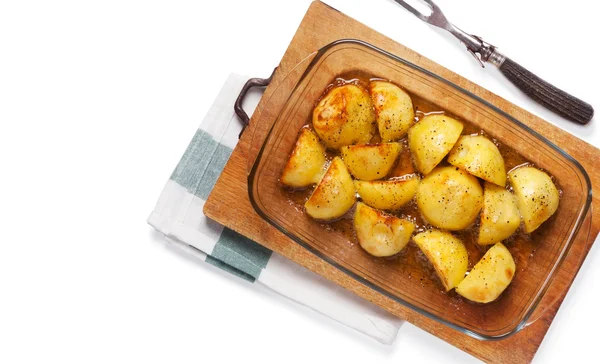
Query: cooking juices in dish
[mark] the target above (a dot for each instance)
(418, 175)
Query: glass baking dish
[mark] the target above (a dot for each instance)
(403, 278)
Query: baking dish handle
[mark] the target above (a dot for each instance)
(239, 110)
(562, 280)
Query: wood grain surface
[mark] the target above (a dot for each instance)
(320, 26)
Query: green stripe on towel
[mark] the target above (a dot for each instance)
(226, 267)
(201, 164)
(213, 171)
(241, 253)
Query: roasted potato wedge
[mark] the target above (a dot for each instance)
(499, 216)
(450, 198)
(380, 234)
(446, 253)
(368, 162)
(489, 277)
(393, 108)
(306, 162)
(387, 195)
(431, 139)
(334, 195)
(479, 156)
(345, 116)
(537, 196)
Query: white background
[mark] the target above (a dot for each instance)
(98, 100)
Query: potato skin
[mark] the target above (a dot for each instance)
(334, 195)
(305, 165)
(447, 254)
(380, 234)
(479, 156)
(431, 139)
(450, 198)
(387, 195)
(499, 216)
(489, 277)
(393, 109)
(537, 196)
(369, 162)
(345, 116)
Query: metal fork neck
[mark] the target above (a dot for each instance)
(481, 50)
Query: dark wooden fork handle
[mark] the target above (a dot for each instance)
(555, 99)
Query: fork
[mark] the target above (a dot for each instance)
(551, 97)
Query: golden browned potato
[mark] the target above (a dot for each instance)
(368, 162)
(479, 156)
(537, 196)
(380, 234)
(306, 162)
(431, 139)
(489, 277)
(334, 194)
(393, 108)
(450, 198)
(345, 116)
(388, 195)
(499, 217)
(446, 253)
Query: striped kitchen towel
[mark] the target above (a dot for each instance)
(178, 216)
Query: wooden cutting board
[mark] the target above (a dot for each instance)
(320, 26)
